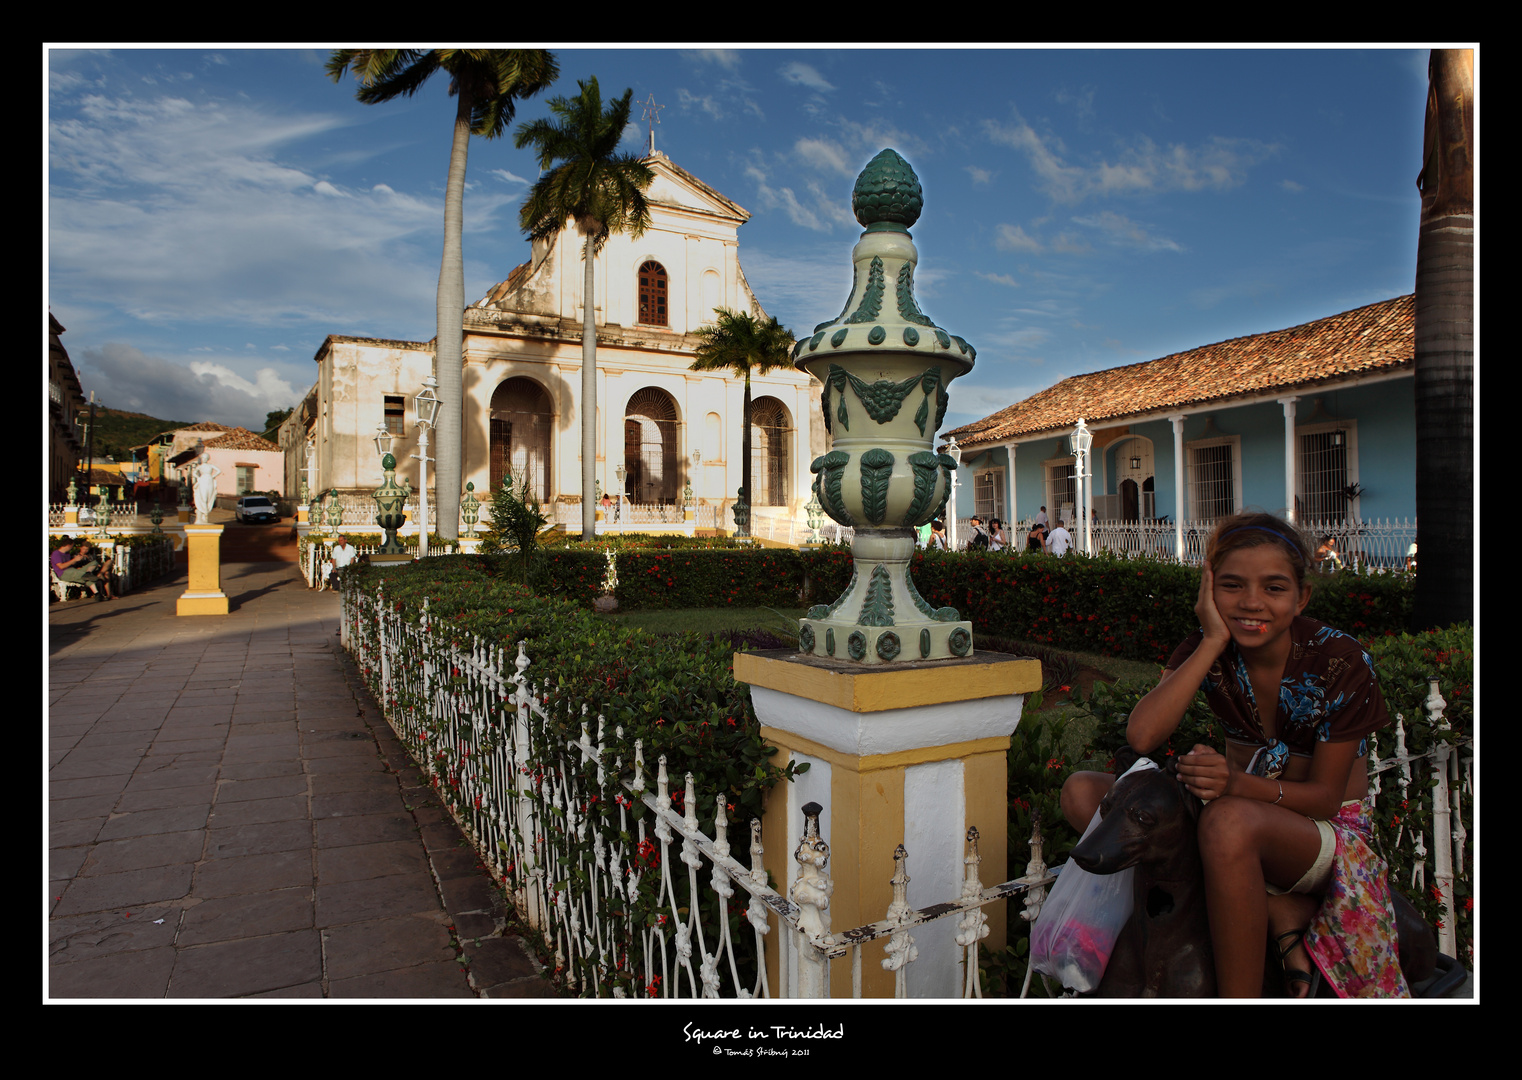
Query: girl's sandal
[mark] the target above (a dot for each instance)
(1294, 978)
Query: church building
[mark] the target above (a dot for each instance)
(667, 426)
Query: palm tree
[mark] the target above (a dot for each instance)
(487, 84)
(584, 180)
(741, 343)
(1445, 346)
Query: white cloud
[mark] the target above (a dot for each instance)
(999, 279)
(1141, 168)
(1013, 238)
(979, 176)
(725, 58)
(173, 211)
(826, 156)
(125, 377)
(804, 75)
(1121, 231)
(501, 174)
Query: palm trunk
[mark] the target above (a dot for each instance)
(750, 494)
(450, 332)
(1445, 349)
(589, 399)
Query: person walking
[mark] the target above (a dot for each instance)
(1059, 541)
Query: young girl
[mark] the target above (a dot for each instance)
(1286, 843)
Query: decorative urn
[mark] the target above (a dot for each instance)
(390, 499)
(885, 367)
(472, 508)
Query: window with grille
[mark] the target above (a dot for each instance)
(396, 414)
(1061, 490)
(520, 427)
(245, 478)
(1323, 473)
(1212, 479)
(988, 494)
(652, 295)
(652, 470)
(770, 434)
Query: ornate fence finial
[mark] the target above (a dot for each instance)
(1034, 870)
(1435, 706)
(900, 945)
(812, 890)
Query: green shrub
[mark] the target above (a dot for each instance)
(746, 577)
(515, 524)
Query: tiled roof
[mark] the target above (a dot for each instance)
(1377, 338)
(240, 439)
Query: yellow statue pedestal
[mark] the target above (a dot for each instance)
(910, 753)
(204, 596)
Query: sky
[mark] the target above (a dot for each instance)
(212, 214)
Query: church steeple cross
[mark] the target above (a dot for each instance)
(652, 115)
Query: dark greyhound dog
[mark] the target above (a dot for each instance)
(1150, 822)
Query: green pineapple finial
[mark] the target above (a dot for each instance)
(887, 194)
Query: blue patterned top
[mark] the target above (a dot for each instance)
(1329, 693)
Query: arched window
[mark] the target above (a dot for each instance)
(652, 295)
(521, 420)
(771, 433)
(652, 469)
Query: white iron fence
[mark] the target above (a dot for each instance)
(607, 871)
(1375, 546)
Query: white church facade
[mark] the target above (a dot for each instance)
(667, 426)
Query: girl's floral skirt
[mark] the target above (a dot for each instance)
(1352, 939)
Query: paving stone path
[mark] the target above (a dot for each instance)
(229, 815)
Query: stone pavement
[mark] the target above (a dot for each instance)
(230, 816)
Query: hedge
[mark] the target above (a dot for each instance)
(681, 697)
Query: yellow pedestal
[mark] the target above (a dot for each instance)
(907, 753)
(204, 596)
(303, 510)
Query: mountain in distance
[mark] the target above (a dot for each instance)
(118, 431)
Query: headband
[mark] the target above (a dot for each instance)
(1264, 528)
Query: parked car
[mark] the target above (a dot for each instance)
(256, 509)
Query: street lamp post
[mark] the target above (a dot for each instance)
(427, 405)
(1081, 441)
(955, 453)
(618, 507)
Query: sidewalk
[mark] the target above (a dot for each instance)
(230, 816)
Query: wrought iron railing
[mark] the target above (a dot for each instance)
(619, 902)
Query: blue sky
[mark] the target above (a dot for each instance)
(214, 213)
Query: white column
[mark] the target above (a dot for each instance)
(1180, 494)
(1009, 483)
(1289, 457)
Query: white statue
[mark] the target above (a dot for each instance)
(205, 488)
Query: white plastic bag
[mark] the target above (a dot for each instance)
(1083, 915)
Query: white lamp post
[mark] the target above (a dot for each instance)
(1082, 440)
(618, 509)
(955, 453)
(426, 402)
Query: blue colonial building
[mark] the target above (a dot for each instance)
(1316, 422)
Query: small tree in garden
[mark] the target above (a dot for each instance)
(742, 343)
(515, 522)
